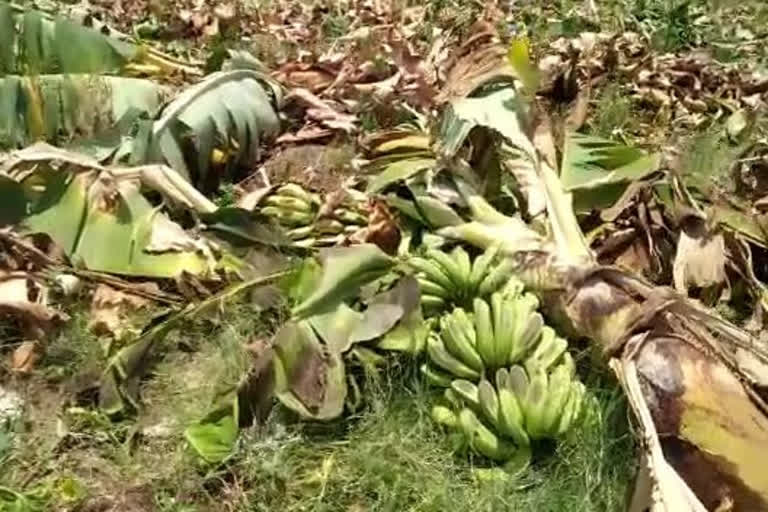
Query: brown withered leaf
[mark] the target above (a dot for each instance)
(700, 259)
(314, 78)
(25, 357)
(111, 310)
(321, 111)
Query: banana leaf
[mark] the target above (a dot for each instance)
(60, 108)
(232, 110)
(697, 383)
(32, 43)
(598, 170)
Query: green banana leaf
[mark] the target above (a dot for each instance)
(60, 108)
(345, 270)
(32, 43)
(107, 227)
(214, 436)
(231, 110)
(598, 170)
(308, 379)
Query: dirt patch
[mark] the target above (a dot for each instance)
(317, 167)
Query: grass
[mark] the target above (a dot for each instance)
(388, 456)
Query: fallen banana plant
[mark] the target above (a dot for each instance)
(33, 42)
(77, 107)
(99, 217)
(695, 381)
(232, 110)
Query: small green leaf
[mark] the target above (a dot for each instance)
(345, 270)
(214, 437)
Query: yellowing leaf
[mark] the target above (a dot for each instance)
(519, 58)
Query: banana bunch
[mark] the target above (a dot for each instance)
(495, 335)
(454, 279)
(299, 211)
(291, 206)
(500, 419)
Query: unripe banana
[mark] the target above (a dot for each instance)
(511, 418)
(482, 440)
(305, 243)
(558, 391)
(484, 332)
(430, 287)
(435, 376)
(480, 268)
(535, 404)
(458, 345)
(468, 392)
(527, 331)
(547, 352)
(432, 271)
(461, 257)
(465, 325)
(297, 191)
(288, 217)
(445, 416)
(432, 302)
(288, 203)
(440, 356)
(300, 233)
(501, 331)
(450, 267)
(496, 278)
(489, 402)
(573, 408)
(350, 217)
(518, 383)
(329, 227)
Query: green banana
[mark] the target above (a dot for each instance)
(496, 278)
(290, 217)
(489, 402)
(461, 257)
(468, 392)
(297, 191)
(574, 408)
(445, 416)
(453, 398)
(305, 243)
(484, 332)
(329, 227)
(535, 404)
(517, 381)
(482, 440)
(500, 316)
(435, 376)
(440, 356)
(288, 203)
(558, 392)
(432, 271)
(350, 217)
(430, 287)
(481, 267)
(527, 332)
(466, 326)
(451, 268)
(502, 378)
(458, 345)
(549, 349)
(432, 302)
(511, 418)
(300, 233)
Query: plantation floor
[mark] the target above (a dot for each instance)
(387, 456)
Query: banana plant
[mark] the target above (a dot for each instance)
(695, 382)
